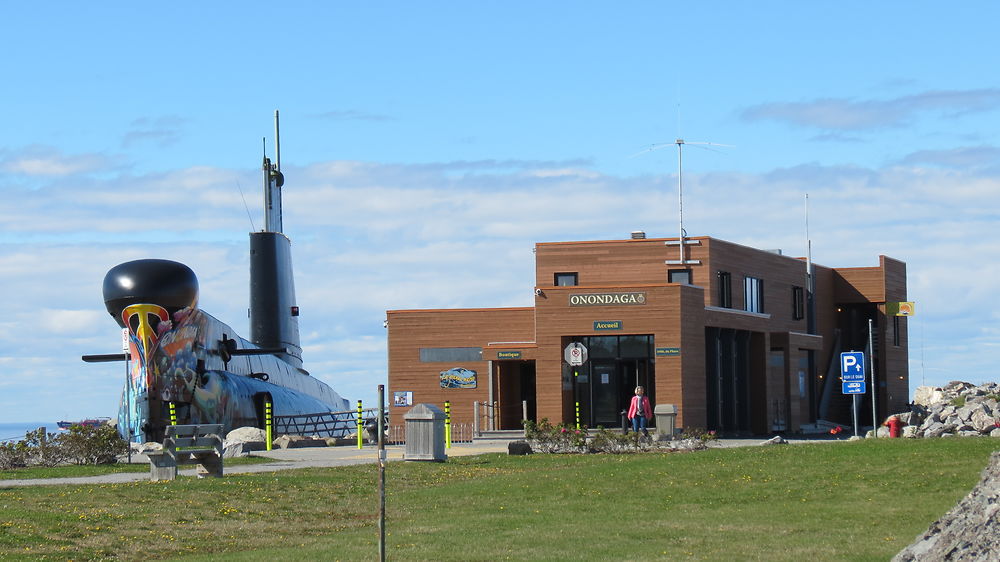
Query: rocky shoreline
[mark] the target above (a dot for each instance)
(971, 530)
(957, 409)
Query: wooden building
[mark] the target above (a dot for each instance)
(731, 335)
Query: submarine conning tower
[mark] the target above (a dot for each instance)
(274, 319)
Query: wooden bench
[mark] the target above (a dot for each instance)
(188, 444)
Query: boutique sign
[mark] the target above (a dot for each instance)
(606, 299)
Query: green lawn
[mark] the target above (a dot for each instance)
(73, 470)
(861, 500)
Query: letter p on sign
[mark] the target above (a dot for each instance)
(852, 366)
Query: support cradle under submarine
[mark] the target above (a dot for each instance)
(184, 357)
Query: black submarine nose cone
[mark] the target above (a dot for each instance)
(169, 284)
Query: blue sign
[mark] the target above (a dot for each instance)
(853, 387)
(852, 367)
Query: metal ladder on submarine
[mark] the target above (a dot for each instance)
(184, 366)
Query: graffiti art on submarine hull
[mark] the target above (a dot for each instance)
(176, 358)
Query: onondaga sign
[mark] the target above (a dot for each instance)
(606, 299)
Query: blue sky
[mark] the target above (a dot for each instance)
(428, 146)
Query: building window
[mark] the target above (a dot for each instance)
(895, 330)
(725, 289)
(565, 280)
(753, 294)
(682, 276)
(798, 303)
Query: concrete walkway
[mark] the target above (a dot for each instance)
(325, 457)
(284, 459)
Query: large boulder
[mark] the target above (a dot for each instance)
(982, 421)
(298, 442)
(519, 448)
(241, 441)
(970, 531)
(928, 395)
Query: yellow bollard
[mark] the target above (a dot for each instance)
(578, 415)
(268, 425)
(360, 426)
(447, 424)
(173, 413)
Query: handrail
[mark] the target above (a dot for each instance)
(330, 424)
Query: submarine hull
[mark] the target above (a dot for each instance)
(184, 356)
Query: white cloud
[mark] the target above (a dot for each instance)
(369, 237)
(852, 115)
(49, 162)
(69, 322)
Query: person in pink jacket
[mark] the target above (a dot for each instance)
(639, 411)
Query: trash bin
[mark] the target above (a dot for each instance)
(424, 434)
(666, 418)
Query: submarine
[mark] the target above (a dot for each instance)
(187, 367)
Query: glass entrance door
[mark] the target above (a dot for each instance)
(605, 384)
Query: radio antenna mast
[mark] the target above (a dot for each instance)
(273, 180)
(680, 193)
(277, 143)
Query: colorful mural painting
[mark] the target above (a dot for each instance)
(458, 377)
(180, 358)
(189, 358)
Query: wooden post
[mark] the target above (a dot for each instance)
(381, 473)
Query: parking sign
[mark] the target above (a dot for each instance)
(852, 366)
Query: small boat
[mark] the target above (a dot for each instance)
(89, 422)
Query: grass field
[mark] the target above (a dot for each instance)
(861, 500)
(72, 470)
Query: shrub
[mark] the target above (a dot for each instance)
(45, 449)
(14, 455)
(93, 445)
(80, 445)
(699, 434)
(547, 438)
(617, 443)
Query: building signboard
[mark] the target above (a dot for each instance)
(668, 351)
(458, 377)
(600, 325)
(607, 299)
(904, 308)
(501, 355)
(853, 387)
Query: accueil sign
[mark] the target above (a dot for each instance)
(606, 299)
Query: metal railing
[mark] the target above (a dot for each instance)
(326, 424)
(484, 416)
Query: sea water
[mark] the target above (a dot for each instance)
(15, 431)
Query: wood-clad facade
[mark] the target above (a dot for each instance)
(729, 334)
